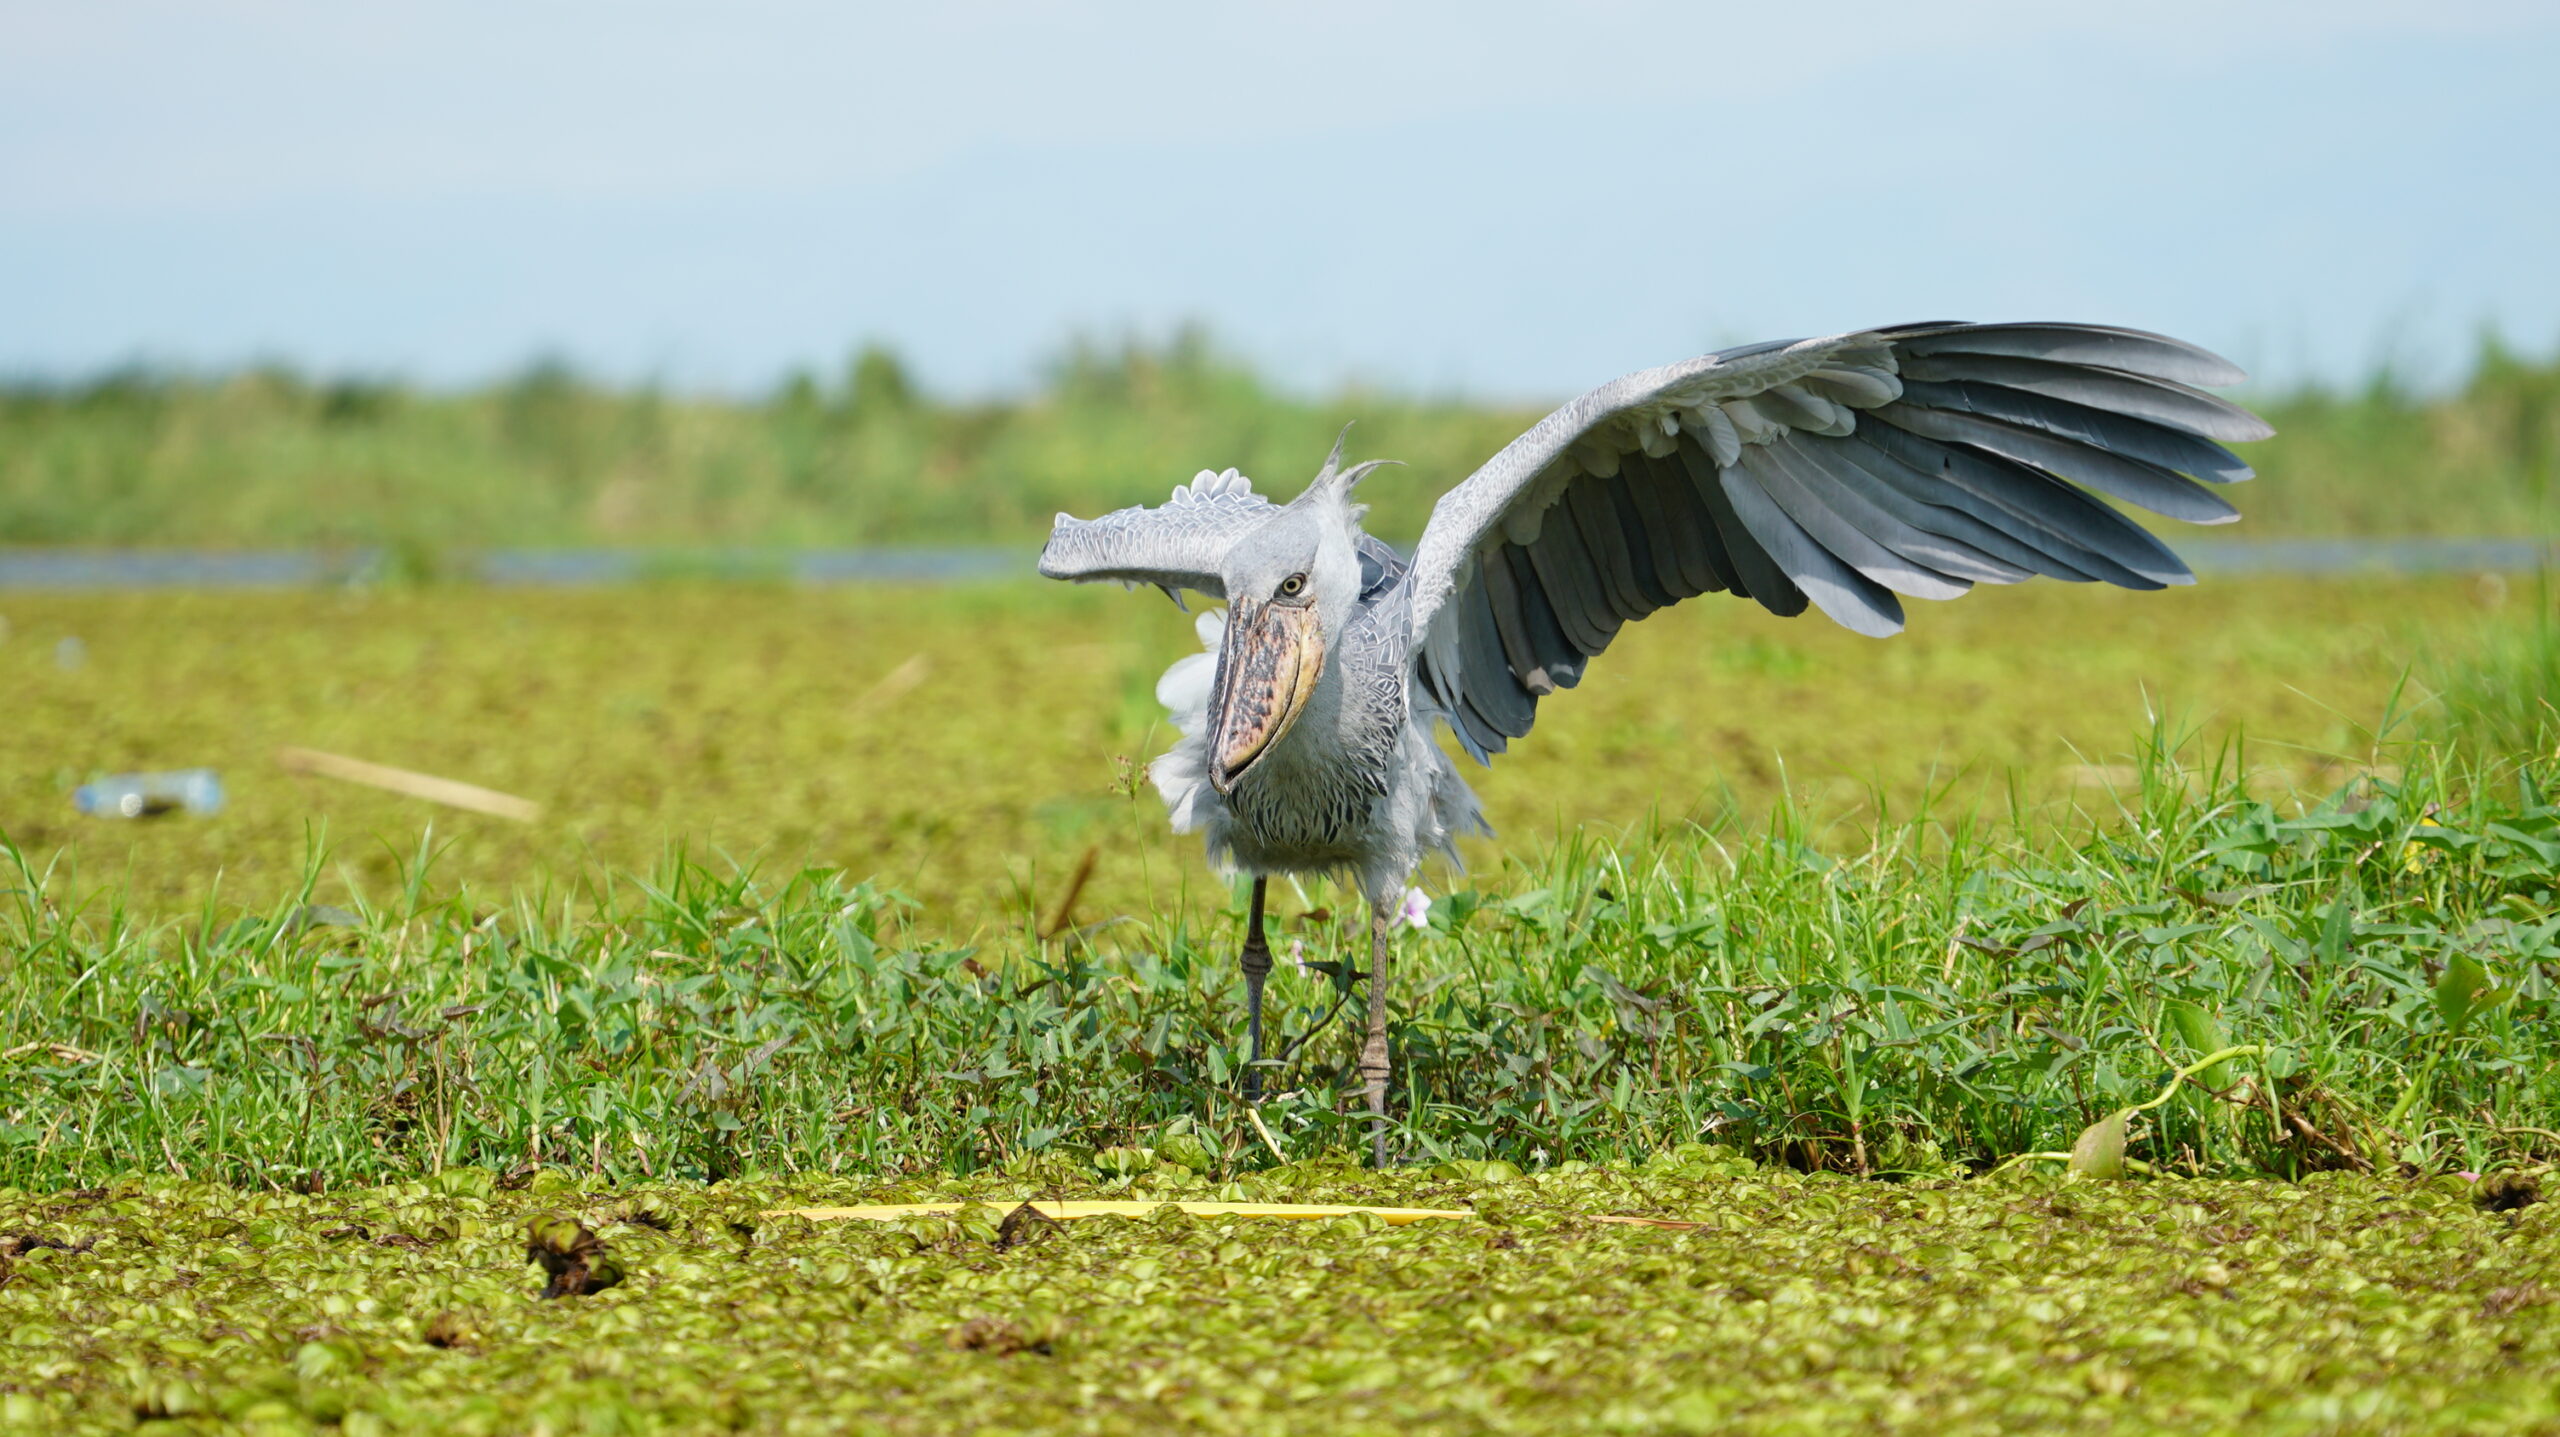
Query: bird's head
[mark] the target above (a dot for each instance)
(1292, 585)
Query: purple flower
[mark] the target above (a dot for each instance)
(1417, 909)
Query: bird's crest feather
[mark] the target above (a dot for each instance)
(1333, 483)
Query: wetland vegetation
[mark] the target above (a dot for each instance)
(1782, 1303)
(1825, 952)
(268, 458)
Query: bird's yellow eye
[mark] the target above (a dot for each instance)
(1294, 585)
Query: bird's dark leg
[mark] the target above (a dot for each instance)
(1256, 962)
(1373, 1054)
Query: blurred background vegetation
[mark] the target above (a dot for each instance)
(931, 796)
(970, 744)
(863, 727)
(267, 457)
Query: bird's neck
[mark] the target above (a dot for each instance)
(1342, 736)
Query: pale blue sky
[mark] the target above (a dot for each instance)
(1492, 198)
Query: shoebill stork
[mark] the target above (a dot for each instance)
(1842, 474)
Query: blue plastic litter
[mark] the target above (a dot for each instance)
(148, 795)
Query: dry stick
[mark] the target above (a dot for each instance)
(1267, 1140)
(444, 1104)
(1632, 1220)
(2312, 1134)
(446, 791)
(1071, 1211)
(895, 683)
(62, 1052)
(1075, 889)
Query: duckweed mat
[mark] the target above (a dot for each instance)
(971, 746)
(1797, 1304)
(1077, 1211)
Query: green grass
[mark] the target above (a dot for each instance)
(1796, 1305)
(1940, 999)
(970, 746)
(267, 458)
(1964, 912)
(2503, 697)
(1777, 908)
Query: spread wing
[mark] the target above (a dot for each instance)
(1836, 472)
(1179, 544)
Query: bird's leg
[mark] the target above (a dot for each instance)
(1373, 1054)
(1256, 962)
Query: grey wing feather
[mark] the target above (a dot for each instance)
(1179, 544)
(2159, 400)
(1838, 473)
(2102, 346)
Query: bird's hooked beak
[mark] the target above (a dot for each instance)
(1267, 666)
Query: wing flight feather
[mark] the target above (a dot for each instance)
(1839, 473)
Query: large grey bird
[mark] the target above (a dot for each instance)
(1838, 473)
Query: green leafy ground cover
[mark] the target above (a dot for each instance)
(970, 746)
(1794, 1305)
(1939, 1001)
(266, 458)
(272, 1142)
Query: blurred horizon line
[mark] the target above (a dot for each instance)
(124, 568)
(2399, 362)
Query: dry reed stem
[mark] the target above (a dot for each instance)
(452, 793)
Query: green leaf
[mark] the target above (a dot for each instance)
(2337, 931)
(2458, 990)
(2100, 1151)
(1186, 1150)
(1125, 1161)
(2202, 1033)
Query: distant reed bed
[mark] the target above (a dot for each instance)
(270, 457)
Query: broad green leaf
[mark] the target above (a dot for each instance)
(2100, 1151)
(2202, 1033)
(2337, 931)
(2459, 989)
